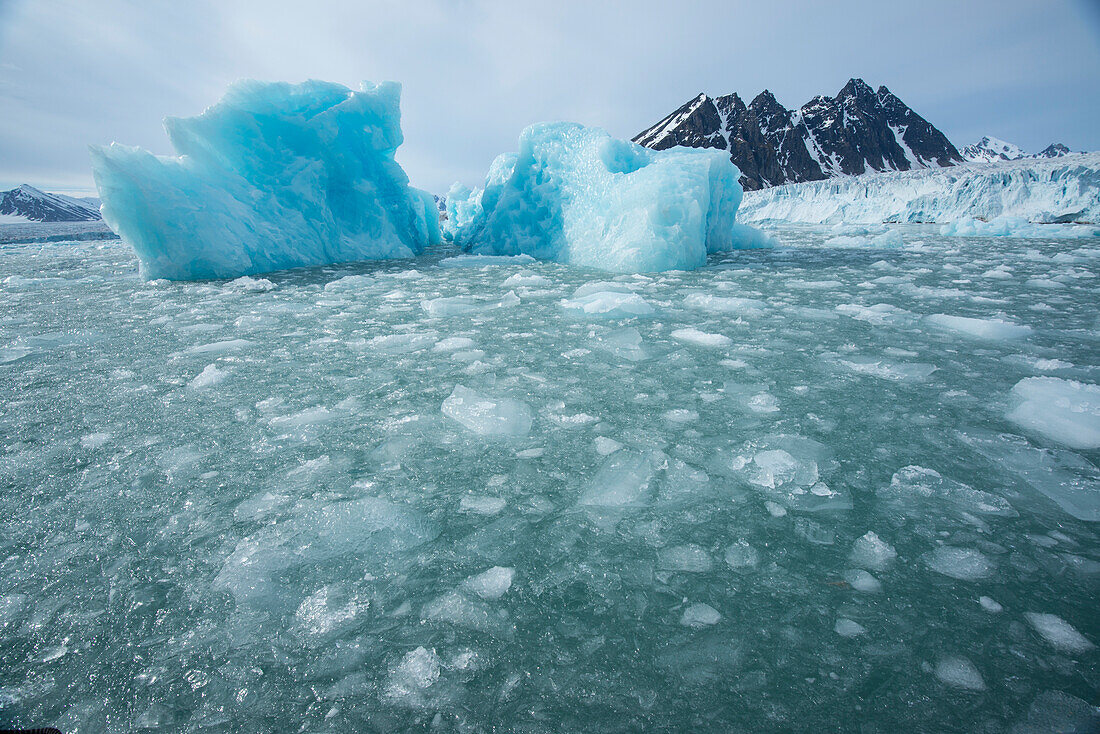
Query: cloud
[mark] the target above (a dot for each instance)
(476, 72)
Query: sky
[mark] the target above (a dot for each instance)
(476, 72)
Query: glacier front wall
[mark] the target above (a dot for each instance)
(274, 176)
(1057, 190)
(575, 195)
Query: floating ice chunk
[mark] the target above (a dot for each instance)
(622, 481)
(488, 416)
(418, 670)
(880, 314)
(681, 415)
(848, 628)
(482, 505)
(763, 403)
(690, 558)
(606, 446)
(94, 440)
(209, 377)
(1064, 411)
(460, 305)
(319, 616)
(274, 176)
(304, 418)
(229, 345)
(626, 343)
(576, 195)
(525, 278)
(960, 673)
(742, 555)
(991, 329)
(1009, 226)
(609, 304)
(1059, 633)
(491, 584)
(775, 509)
(860, 580)
(720, 304)
(700, 615)
(886, 370)
(890, 239)
(251, 285)
(777, 468)
(964, 564)
(871, 551)
(1068, 479)
(453, 306)
(401, 343)
(453, 344)
(1055, 711)
(919, 483)
(699, 338)
(458, 609)
(479, 261)
(990, 605)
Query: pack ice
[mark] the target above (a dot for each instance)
(576, 195)
(273, 176)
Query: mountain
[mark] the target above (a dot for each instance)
(992, 149)
(28, 203)
(1054, 150)
(857, 130)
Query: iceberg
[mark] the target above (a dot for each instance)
(273, 176)
(576, 195)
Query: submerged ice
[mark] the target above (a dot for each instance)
(273, 176)
(792, 487)
(575, 195)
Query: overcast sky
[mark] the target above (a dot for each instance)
(474, 72)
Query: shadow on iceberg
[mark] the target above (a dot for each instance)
(575, 195)
(274, 176)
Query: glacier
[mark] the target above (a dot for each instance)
(575, 195)
(1004, 197)
(273, 176)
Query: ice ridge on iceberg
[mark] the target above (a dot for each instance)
(273, 176)
(575, 195)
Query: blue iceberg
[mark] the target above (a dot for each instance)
(575, 195)
(274, 176)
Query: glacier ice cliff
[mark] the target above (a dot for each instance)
(273, 176)
(575, 195)
(1057, 190)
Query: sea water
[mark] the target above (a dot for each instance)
(784, 492)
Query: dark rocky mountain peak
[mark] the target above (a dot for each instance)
(856, 131)
(29, 203)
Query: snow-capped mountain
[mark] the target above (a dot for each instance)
(856, 131)
(1054, 150)
(1058, 190)
(992, 149)
(28, 203)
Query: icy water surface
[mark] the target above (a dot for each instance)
(781, 493)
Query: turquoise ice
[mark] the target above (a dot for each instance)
(576, 195)
(274, 176)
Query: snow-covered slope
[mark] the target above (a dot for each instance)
(990, 149)
(1065, 189)
(28, 204)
